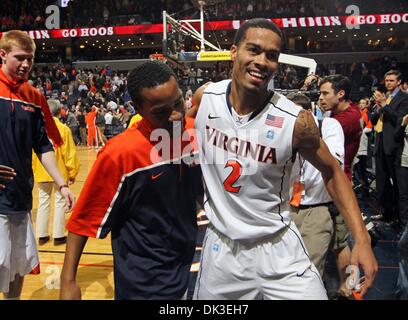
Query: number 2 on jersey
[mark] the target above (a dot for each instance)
(233, 176)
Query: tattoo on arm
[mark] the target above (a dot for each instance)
(306, 133)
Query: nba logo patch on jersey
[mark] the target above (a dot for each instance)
(270, 134)
(274, 121)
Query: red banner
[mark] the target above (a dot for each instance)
(302, 22)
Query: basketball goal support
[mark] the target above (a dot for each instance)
(187, 28)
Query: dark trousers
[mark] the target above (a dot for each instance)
(84, 136)
(402, 176)
(75, 134)
(360, 170)
(386, 184)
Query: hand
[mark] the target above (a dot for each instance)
(362, 255)
(69, 199)
(379, 98)
(405, 120)
(69, 290)
(6, 173)
(309, 79)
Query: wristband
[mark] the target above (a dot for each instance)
(63, 186)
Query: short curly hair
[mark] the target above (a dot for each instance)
(259, 23)
(147, 75)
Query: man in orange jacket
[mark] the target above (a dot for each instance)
(90, 118)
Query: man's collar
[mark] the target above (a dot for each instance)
(395, 92)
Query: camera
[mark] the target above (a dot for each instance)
(373, 230)
(312, 91)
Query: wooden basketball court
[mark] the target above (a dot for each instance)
(95, 272)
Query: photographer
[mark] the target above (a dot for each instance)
(310, 88)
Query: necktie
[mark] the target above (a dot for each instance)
(379, 126)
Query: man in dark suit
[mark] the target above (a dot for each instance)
(390, 108)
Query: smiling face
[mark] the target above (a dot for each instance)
(162, 105)
(17, 63)
(255, 59)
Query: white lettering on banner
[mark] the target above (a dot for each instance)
(405, 18)
(45, 34)
(92, 32)
(39, 34)
(289, 22)
(69, 33)
(32, 34)
(396, 18)
(102, 31)
(385, 18)
(360, 20)
(85, 32)
(326, 21)
(311, 22)
(302, 22)
(370, 19)
(335, 21)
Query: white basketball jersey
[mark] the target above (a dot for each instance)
(246, 168)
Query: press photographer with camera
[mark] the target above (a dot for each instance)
(310, 87)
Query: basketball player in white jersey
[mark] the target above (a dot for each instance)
(249, 138)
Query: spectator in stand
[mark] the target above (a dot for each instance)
(83, 89)
(80, 116)
(100, 127)
(360, 167)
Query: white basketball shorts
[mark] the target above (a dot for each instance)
(274, 268)
(18, 249)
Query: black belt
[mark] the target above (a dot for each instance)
(308, 206)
